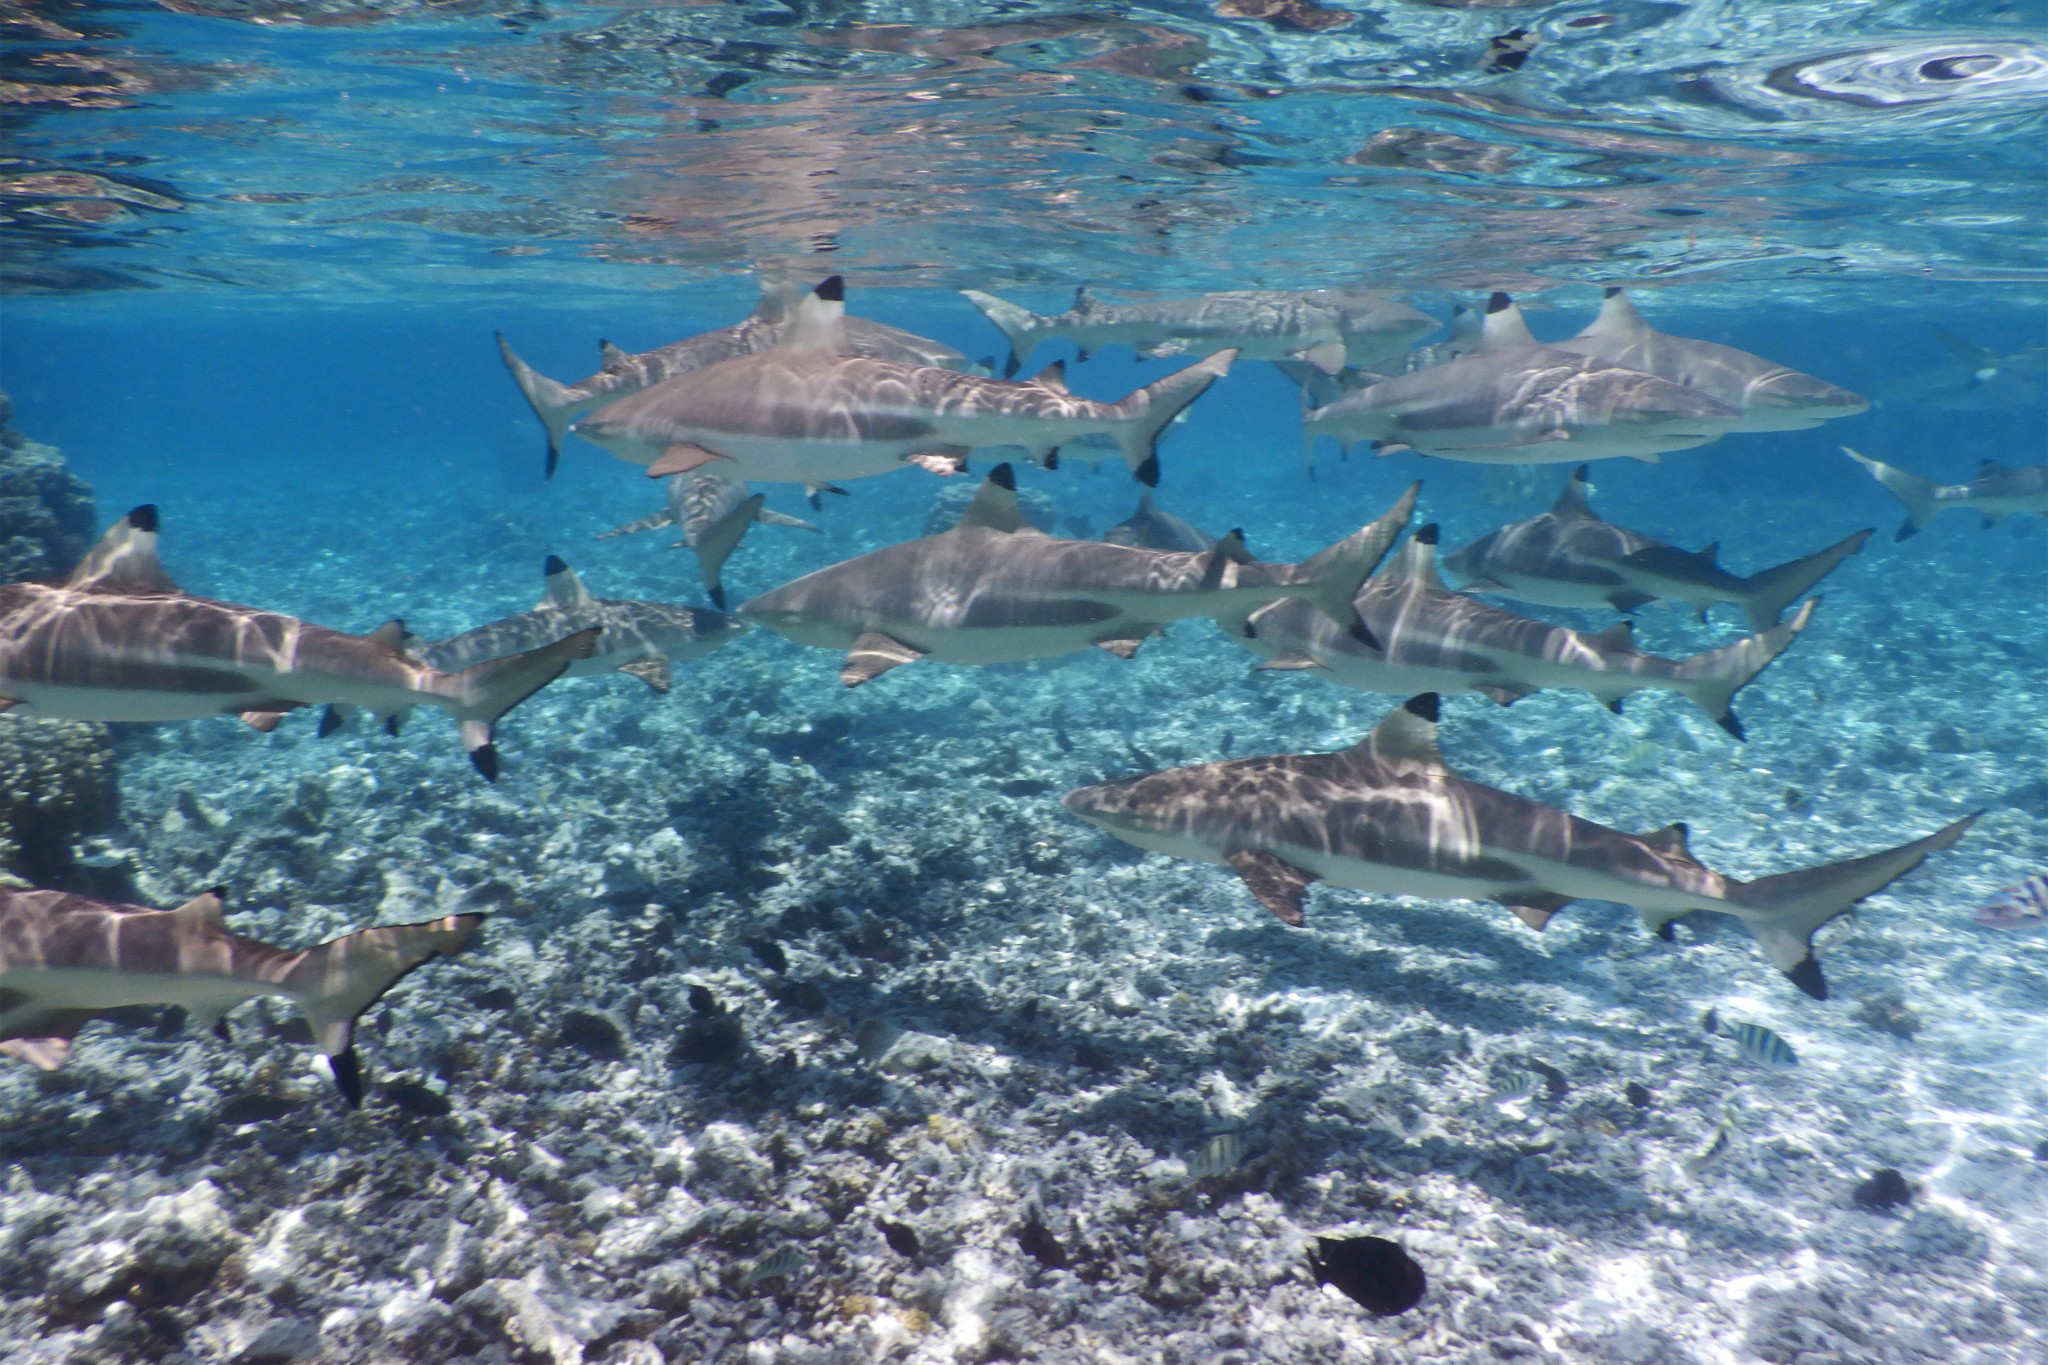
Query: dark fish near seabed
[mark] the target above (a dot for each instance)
(1372, 1271)
(1885, 1189)
(2023, 907)
(777, 1264)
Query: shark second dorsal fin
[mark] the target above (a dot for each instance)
(1417, 559)
(564, 588)
(1504, 326)
(1620, 635)
(995, 505)
(1617, 318)
(1576, 499)
(125, 559)
(779, 299)
(1053, 376)
(1406, 736)
(203, 914)
(819, 323)
(1084, 300)
(1711, 551)
(1670, 839)
(391, 635)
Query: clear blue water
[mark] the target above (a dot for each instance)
(271, 315)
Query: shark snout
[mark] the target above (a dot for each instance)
(1795, 390)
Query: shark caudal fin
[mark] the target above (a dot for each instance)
(479, 695)
(1916, 493)
(1766, 595)
(1712, 679)
(335, 982)
(1144, 414)
(1331, 578)
(557, 405)
(1784, 911)
(1022, 326)
(716, 541)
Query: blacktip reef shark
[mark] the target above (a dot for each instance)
(807, 412)
(1148, 528)
(119, 641)
(1389, 816)
(66, 959)
(557, 405)
(1451, 642)
(994, 589)
(1568, 557)
(713, 512)
(1770, 396)
(1996, 492)
(1513, 400)
(1325, 329)
(637, 638)
(1319, 390)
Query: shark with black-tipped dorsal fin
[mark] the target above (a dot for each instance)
(119, 641)
(639, 638)
(1148, 528)
(67, 959)
(807, 412)
(1324, 329)
(1388, 815)
(1770, 396)
(1430, 636)
(1513, 400)
(1995, 494)
(1568, 557)
(713, 513)
(994, 589)
(557, 404)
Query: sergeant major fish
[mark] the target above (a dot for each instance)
(1389, 816)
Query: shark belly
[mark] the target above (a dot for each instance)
(51, 989)
(810, 460)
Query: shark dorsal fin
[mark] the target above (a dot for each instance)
(1670, 839)
(1621, 634)
(1417, 559)
(1575, 500)
(820, 320)
(1711, 552)
(1504, 327)
(1084, 300)
(203, 914)
(1989, 466)
(995, 504)
(1617, 318)
(1053, 376)
(1406, 736)
(779, 299)
(391, 635)
(1146, 508)
(564, 588)
(125, 559)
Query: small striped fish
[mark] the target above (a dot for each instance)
(2023, 907)
(1519, 1086)
(1219, 1156)
(1759, 1044)
(784, 1261)
(1719, 1143)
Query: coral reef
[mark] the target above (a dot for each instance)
(46, 511)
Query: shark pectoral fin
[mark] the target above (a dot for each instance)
(1382, 449)
(332, 718)
(44, 1054)
(814, 493)
(653, 672)
(1328, 357)
(1273, 881)
(265, 721)
(716, 542)
(1534, 908)
(944, 461)
(483, 692)
(681, 458)
(1502, 693)
(7, 703)
(1125, 648)
(1289, 662)
(1647, 457)
(769, 517)
(874, 654)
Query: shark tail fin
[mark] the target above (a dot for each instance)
(1918, 494)
(1766, 595)
(1022, 326)
(480, 694)
(1146, 413)
(717, 541)
(335, 982)
(1784, 911)
(557, 405)
(1712, 679)
(1331, 578)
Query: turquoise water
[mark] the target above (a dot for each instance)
(939, 1002)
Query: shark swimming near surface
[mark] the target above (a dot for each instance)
(1389, 816)
(1770, 396)
(557, 404)
(1325, 329)
(1513, 400)
(807, 412)
(1568, 557)
(1996, 492)
(1430, 636)
(714, 512)
(638, 638)
(993, 589)
(67, 959)
(119, 641)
